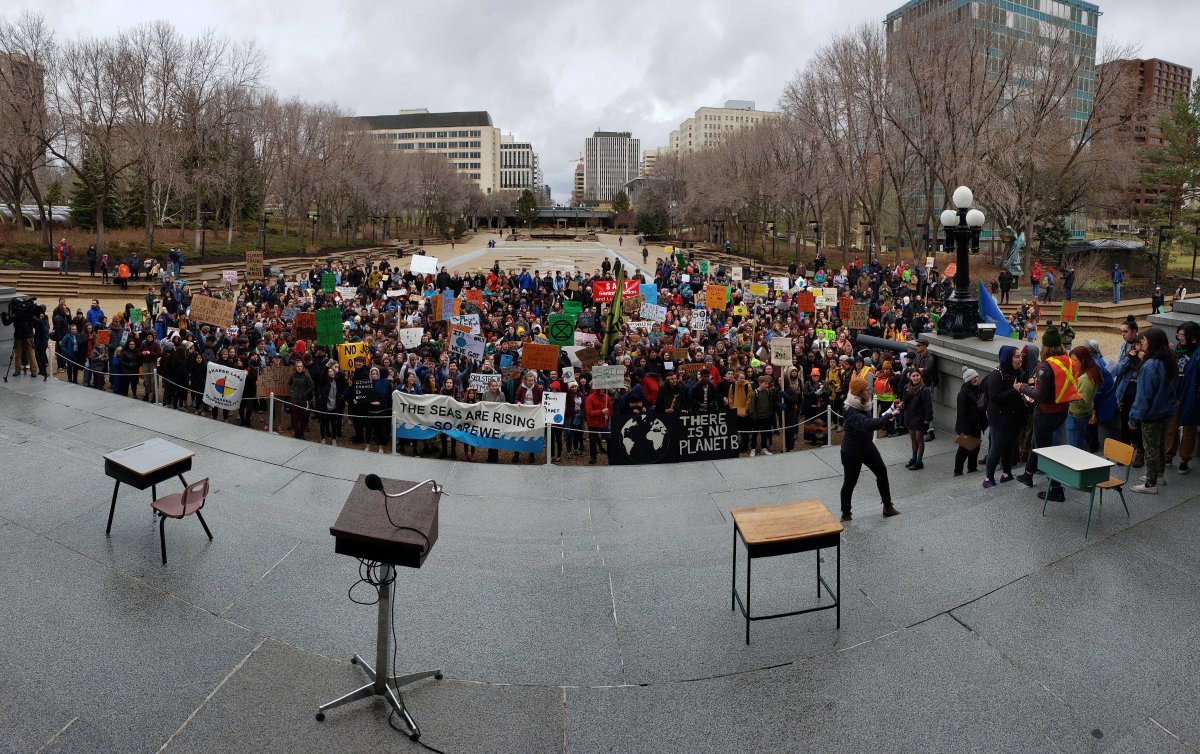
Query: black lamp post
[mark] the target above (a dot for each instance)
(313, 217)
(350, 227)
(1162, 234)
(203, 231)
(962, 226)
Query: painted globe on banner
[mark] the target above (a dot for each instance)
(644, 438)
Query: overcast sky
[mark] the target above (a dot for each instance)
(553, 72)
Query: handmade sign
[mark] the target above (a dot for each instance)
(780, 284)
(758, 289)
(1070, 311)
(699, 319)
(560, 330)
(103, 337)
(229, 276)
(950, 270)
(716, 296)
(474, 296)
(481, 381)
(469, 321)
(499, 426)
(347, 352)
(211, 310)
(585, 321)
(669, 438)
(573, 308)
(647, 326)
(305, 326)
(929, 261)
(703, 266)
(604, 291)
(630, 305)
(679, 354)
(831, 296)
(555, 406)
(538, 356)
(274, 379)
(587, 356)
(653, 312)
(328, 282)
(423, 265)
(223, 386)
(586, 338)
(135, 316)
(649, 292)
(608, 376)
(464, 343)
(844, 305)
(806, 302)
(395, 293)
(287, 315)
(737, 272)
(447, 305)
(859, 316)
(781, 351)
(254, 265)
(329, 327)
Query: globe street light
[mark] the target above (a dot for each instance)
(962, 226)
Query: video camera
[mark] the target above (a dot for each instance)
(22, 310)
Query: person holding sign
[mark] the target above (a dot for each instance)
(858, 449)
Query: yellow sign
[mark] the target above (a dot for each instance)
(758, 289)
(346, 353)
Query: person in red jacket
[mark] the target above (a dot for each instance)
(649, 383)
(598, 412)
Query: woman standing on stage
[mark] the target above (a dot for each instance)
(858, 448)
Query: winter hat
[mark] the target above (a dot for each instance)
(969, 374)
(857, 384)
(1051, 338)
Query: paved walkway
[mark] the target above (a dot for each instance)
(576, 610)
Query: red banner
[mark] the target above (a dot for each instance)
(604, 291)
(806, 302)
(844, 307)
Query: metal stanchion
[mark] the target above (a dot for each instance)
(549, 427)
(158, 391)
(394, 427)
(271, 413)
(828, 425)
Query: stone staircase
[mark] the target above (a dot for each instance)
(1094, 315)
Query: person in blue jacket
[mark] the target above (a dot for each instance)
(1118, 277)
(1187, 408)
(1155, 403)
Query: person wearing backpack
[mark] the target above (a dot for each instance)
(1054, 387)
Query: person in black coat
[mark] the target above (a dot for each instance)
(332, 391)
(970, 421)
(1006, 415)
(916, 412)
(859, 449)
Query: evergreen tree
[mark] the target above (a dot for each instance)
(620, 202)
(527, 207)
(83, 199)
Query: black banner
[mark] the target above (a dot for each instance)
(671, 438)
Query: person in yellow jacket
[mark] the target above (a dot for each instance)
(738, 398)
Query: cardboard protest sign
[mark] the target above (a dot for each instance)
(716, 296)
(572, 285)
(346, 353)
(555, 406)
(223, 386)
(212, 311)
(328, 282)
(305, 326)
(781, 351)
(1070, 311)
(859, 316)
(347, 292)
(632, 304)
(254, 265)
(806, 302)
(586, 338)
(229, 276)
(274, 379)
(539, 357)
(469, 321)
(329, 327)
(844, 305)
(679, 354)
(103, 337)
(481, 381)
(560, 330)
(653, 312)
(474, 296)
(423, 265)
(608, 376)
(587, 356)
(699, 320)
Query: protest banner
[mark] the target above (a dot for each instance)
(254, 265)
(305, 326)
(481, 381)
(287, 315)
(555, 406)
(499, 426)
(346, 352)
(737, 272)
(395, 293)
(604, 291)
(1070, 311)
(649, 292)
(223, 386)
(699, 320)
(329, 327)
(781, 351)
(464, 343)
(631, 305)
(758, 289)
(679, 354)
(670, 438)
(474, 297)
(469, 321)
(212, 311)
(274, 379)
(716, 296)
(642, 325)
(608, 376)
(653, 312)
(560, 330)
(806, 302)
(423, 265)
(859, 316)
(328, 282)
(573, 308)
(229, 276)
(540, 357)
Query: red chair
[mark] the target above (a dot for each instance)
(181, 504)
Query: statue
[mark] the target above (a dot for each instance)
(1012, 262)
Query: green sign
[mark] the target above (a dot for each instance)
(561, 330)
(680, 259)
(329, 326)
(328, 282)
(135, 316)
(573, 308)
(703, 266)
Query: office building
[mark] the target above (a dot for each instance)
(1158, 83)
(467, 139)
(610, 160)
(22, 105)
(520, 167)
(577, 188)
(710, 125)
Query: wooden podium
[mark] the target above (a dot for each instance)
(400, 534)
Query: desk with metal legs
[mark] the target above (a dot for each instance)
(146, 464)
